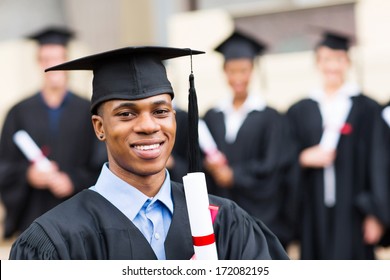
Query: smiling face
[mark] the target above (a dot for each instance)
(333, 66)
(238, 73)
(50, 55)
(139, 135)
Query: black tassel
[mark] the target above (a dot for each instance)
(195, 164)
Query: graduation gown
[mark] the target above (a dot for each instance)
(66, 137)
(87, 226)
(180, 149)
(360, 175)
(386, 122)
(259, 158)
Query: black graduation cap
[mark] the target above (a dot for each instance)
(133, 73)
(240, 45)
(53, 35)
(335, 40)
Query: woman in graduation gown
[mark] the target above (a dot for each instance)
(58, 122)
(134, 211)
(343, 176)
(251, 136)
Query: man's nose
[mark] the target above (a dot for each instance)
(146, 123)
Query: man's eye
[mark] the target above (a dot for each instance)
(125, 114)
(161, 112)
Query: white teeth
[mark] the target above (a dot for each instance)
(147, 147)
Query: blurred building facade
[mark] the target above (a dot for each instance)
(284, 74)
(291, 28)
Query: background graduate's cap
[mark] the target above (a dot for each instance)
(239, 45)
(334, 39)
(53, 36)
(133, 73)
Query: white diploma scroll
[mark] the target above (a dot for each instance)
(30, 149)
(208, 145)
(195, 189)
(334, 118)
(206, 140)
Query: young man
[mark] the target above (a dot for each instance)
(59, 123)
(251, 136)
(344, 185)
(134, 211)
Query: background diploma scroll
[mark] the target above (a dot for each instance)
(30, 149)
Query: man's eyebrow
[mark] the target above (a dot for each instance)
(128, 104)
(125, 104)
(161, 102)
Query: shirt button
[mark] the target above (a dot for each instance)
(157, 235)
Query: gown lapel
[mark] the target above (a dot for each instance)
(178, 243)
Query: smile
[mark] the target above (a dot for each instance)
(147, 147)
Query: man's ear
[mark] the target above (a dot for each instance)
(97, 122)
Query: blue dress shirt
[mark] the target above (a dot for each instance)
(151, 215)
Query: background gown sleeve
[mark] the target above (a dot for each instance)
(14, 190)
(374, 200)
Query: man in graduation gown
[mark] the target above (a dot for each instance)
(343, 177)
(58, 121)
(251, 137)
(134, 211)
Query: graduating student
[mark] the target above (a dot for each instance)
(135, 211)
(250, 136)
(344, 183)
(59, 123)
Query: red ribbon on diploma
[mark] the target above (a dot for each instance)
(203, 240)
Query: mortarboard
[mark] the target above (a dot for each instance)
(53, 35)
(239, 45)
(335, 40)
(133, 73)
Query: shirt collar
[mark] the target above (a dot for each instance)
(127, 198)
(348, 89)
(252, 103)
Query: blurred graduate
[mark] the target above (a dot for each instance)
(343, 175)
(250, 136)
(58, 121)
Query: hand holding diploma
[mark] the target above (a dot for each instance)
(31, 150)
(43, 173)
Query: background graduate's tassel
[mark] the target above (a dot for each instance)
(195, 164)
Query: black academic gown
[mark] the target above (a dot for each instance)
(71, 143)
(386, 238)
(259, 158)
(361, 184)
(87, 226)
(180, 149)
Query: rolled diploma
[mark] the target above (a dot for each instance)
(329, 141)
(206, 141)
(30, 149)
(195, 189)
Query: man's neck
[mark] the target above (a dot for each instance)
(238, 101)
(149, 185)
(53, 97)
